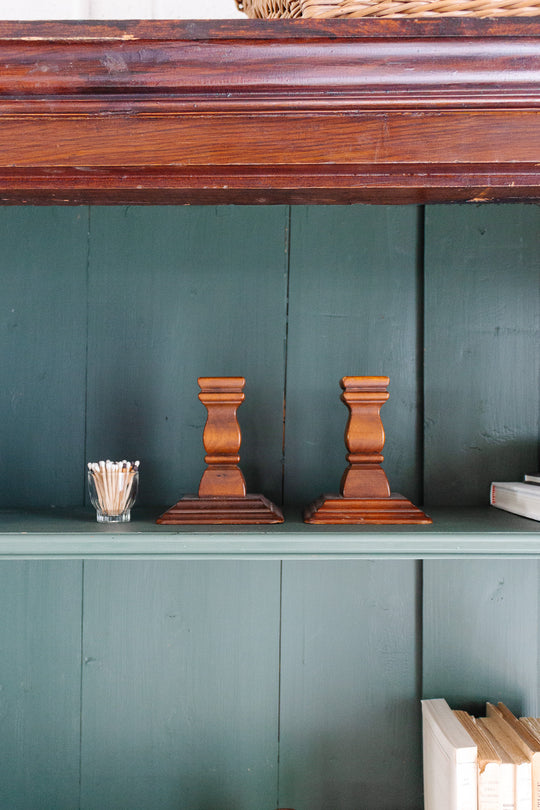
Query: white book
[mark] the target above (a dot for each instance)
(532, 478)
(527, 741)
(507, 774)
(488, 763)
(450, 760)
(507, 737)
(517, 497)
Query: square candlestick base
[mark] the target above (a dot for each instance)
(335, 509)
(248, 509)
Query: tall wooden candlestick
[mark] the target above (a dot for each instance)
(365, 495)
(222, 495)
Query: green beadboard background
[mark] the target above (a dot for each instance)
(238, 685)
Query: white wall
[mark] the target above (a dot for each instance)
(117, 9)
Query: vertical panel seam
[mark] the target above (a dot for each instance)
(285, 368)
(536, 702)
(420, 364)
(286, 343)
(86, 357)
(81, 684)
(421, 354)
(278, 788)
(420, 629)
(85, 444)
(537, 696)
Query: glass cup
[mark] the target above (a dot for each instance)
(113, 493)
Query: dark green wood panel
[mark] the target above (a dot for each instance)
(42, 350)
(481, 633)
(180, 686)
(350, 731)
(482, 373)
(352, 311)
(40, 678)
(178, 293)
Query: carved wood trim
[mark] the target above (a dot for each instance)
(270, 111)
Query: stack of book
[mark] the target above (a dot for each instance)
(520, 497)
(484, 763)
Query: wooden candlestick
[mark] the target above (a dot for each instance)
(365, 495)
(222, 491)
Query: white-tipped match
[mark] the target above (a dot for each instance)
(113, 480)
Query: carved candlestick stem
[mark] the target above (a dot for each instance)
(364, 437)
(222, 397)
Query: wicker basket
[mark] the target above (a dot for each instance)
(324, 9)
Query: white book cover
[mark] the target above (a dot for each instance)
(450, 760)
(517, 497)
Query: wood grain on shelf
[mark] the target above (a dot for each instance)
(380, 111)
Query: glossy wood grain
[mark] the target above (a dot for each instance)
(364, 437)
(378, 110)
(222, 397)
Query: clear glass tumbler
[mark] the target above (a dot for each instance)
(113, 495)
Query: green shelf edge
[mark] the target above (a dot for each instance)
(455, 533)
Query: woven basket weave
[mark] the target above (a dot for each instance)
(324, 9)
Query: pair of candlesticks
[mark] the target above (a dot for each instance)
(364, 497)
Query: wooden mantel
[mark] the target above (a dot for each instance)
(270, 112)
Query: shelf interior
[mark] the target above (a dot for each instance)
(111, 315)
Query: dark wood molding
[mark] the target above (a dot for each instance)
(259, 111)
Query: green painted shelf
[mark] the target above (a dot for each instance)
(455, 533)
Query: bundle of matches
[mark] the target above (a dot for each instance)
(113, 482)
